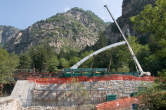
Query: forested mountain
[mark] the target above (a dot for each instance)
(73, 30)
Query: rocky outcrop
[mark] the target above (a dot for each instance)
(7, 33)
(129, 8)
(74, 29)
(133, 7)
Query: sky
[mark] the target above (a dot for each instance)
(23, 13)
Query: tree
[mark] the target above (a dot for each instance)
(141, 51)
(122, 60)
(89, 62)
(101, 60)
(8, 64)
(102, 42)
(151, 21)
(40, 56)
(64, 63)
(74, 60)
(153, 98)
(25, 61)
(52, 64)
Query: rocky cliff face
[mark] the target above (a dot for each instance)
(7, 33)
(133, 7)
(74, 29)
(129, 8)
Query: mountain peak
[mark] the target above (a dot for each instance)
(72, 30)
(77, 9)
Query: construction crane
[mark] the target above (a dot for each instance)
(129, 47)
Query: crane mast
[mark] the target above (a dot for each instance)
(129, 47)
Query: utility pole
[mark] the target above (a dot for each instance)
(129, 47)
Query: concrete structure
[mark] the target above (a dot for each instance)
(29, 95)
(22, 92)
(18, 98)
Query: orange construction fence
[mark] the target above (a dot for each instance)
(117, 104)
(91, 79)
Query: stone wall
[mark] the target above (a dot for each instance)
(30, 96)
(96, 92)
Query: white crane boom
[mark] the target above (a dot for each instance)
(129, 47)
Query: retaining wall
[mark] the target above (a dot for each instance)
(48, 89)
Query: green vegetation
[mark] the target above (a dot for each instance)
(53, 62)
(25, 61)
(45, 59)
(94, 17)
(119, 59)
(8, 64)
(151, 22)
(153, 98)
(41, 58)
(91, 15)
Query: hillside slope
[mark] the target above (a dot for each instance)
(73, 30)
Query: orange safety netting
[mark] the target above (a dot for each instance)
(91, 79)
(117, 104)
